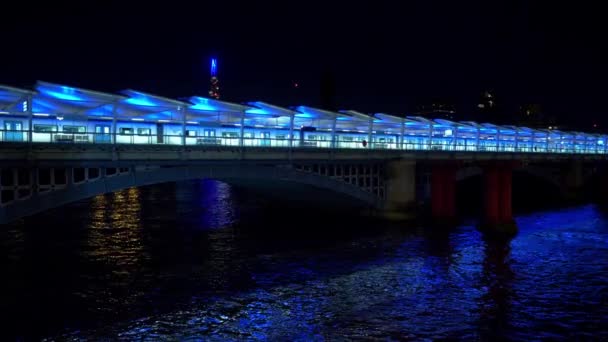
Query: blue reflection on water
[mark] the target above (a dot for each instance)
(196, 269)
(216, 199)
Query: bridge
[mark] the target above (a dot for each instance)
(59, 144)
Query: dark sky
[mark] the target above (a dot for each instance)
(386, 56)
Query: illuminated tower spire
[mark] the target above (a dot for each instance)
(214, 89)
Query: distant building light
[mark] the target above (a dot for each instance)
(137, 119)
(481, 105)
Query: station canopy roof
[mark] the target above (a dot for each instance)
(314, 117)
(266, 114)
(12, 99)
(387, 118)
(52, 99)
(73, 102)
(351, 120)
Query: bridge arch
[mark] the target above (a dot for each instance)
(141, 176)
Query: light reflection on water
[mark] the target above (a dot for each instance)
(202, 260)
(114, 232)
(114, 243)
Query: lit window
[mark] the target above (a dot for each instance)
(45, 128)
(74, 129)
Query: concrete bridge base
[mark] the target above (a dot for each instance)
(400, 201)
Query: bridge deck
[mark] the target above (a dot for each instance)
(92, 154)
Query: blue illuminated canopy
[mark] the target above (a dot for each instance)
(199, 103)
(11, 99)
(141, 99)
(61, 102)
(263, 108)
(389, 118)
(310, 112)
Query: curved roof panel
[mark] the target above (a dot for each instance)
(267, 109)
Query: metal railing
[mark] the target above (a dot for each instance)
(426, 144)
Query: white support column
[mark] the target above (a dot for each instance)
(477, 140)
(454, 137)
(291, 118)
(547, 143)
(242, 132)
(182, 112)
(113, 131)
(497, 139)
(369, 132)
(30, 117)
(516, 139)
(333, 132)
(430, 136)
(402, 132)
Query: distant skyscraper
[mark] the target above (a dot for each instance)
(487, 101)
(531, 115)
(437, 108)
(487, 108)
(214, 89)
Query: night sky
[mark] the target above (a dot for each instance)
(384, 57)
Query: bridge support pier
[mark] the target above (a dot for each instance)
(443, 193)
(498, 213)
(400, 189)
(572, 181)
(600, 191)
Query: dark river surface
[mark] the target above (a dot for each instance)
(202, 260)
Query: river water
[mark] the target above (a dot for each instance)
(202, 260)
